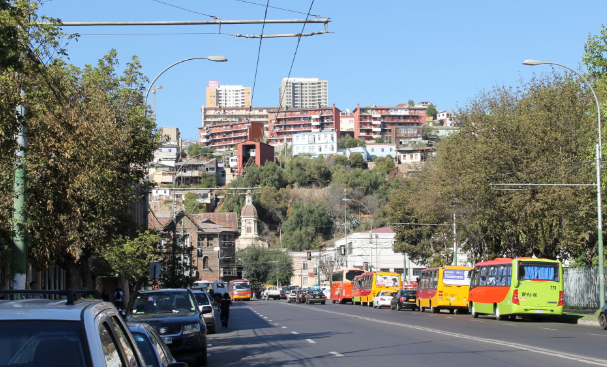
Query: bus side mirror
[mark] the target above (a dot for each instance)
(515, 283)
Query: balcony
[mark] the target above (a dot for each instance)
(315, 122)
(315, 130)
(378, 129)
(205, 133)
(378, 115)
(376, 122)
(376, 136)
(315, 116)
(205, 140)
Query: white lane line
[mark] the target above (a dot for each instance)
(265, 317)
(270, 320)
(449, 317)
(284, 327)
(336, 354)
(311, 341)
(294, 332)
(547, 328)
(549, 352)
(598, 334)
(477, 321)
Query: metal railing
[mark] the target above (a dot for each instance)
(581, 287)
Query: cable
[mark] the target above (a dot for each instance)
(144, 34)
(191, 11)
(258, 56)
(273, 7)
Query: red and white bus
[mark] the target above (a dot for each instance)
(240, 289)
(341, 284)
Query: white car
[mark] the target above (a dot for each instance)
(383, 299)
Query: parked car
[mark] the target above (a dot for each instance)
(316, 296)
(76, 332)
(383, 299)
(404, 299)
(603, 317)
(292, 296)
(271, 293)
(153, 349)
(174, 314)
(301, 296)
(205, 306)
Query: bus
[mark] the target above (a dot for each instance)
(369, 284)
(341, 284)
(506, 288)
(240, 289)
(217, 286)
(444, 288)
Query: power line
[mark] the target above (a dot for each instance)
(191, 11)
(274, 7)
(258, 55)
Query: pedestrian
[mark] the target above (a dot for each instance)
(105, 295)
(118, 298)
(217, 297)
(34, 286)
(224, 308)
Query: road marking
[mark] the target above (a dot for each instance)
(598, 334)
(311, 341)
(265, 317)
(336, 354)
(209, 345)
(549, 352)
(294, 332)
(284, 327)
(449, 317)
(547, 328)
(270, 320)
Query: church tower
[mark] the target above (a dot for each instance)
(248, 223)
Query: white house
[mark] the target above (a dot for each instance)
(324, 143)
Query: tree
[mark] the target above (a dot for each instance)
(379, 140)
(192, 205)
(347, 141)
(595, 54)
(207, 181)
(432, 111)
(195, 149)
(268, 175)
(411, 102)
(298, 171)
(305, 227)
(341, 160)
(265, 266)
(357, 160)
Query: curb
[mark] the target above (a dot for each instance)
(588, 323)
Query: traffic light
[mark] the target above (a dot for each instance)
(199, 252)
(314, 271)
(342, 249)
(366, 266)
(309, 255)
(244, 274)
(220, 254)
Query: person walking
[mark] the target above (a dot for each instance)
(105, 295)
(224, 308)
(118, 298)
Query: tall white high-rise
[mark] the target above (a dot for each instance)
(228, 95)
(303, 93)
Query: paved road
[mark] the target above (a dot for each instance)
(274, 333)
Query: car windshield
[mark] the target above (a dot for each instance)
(145, 346)
(160, 302)
(242, 286)
(202, 299)
(409, 294)
(34, 343)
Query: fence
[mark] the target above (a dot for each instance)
(581, 287)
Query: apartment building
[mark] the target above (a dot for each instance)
(394, 124)
(446, 118)
(225, 128)
(292, 121)
(228, 95)
(303, 93)
(323, 143)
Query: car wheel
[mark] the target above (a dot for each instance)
(603, 321)
(473, 311)
(333, 301)
(201, 360)
(322, 303)
(212, 330)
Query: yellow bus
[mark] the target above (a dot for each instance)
(445, 288)
(372, 283)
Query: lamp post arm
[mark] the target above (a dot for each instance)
(167, 68)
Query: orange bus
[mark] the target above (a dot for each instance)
(240, 289)
(341, 284)
(444, 288)
(369, 284)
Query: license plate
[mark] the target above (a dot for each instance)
(538, 311)
(316, 297)
(411, 300)
(167, 339)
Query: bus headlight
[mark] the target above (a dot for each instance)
(191, 329)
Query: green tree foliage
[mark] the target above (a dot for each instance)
(268, 175)
(195, 149)
(191, 204)
(305, 227)
(384, 166)
(595, 55)
(411, 102)
(131, 257)
(265, 266)
(299, 172)
(207, 181)
(347, 141)
(357, 160)
(432, 111)
(341, 160)
(379, 140)
(276, 203)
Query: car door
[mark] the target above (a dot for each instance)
(117, 344)
(163, 351)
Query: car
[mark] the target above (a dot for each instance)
(175, 315)
(383, 299)
(301, 296)
(405, 298)
(153, 349)
(292, 296)
(316, 296)
(603, 317)
(205, 306)
(72, 332)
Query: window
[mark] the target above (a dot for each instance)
(372, 149)
(399, 270)
(205, 262)
(127, 347)
(384, 269)
(110, 352)
(382, 150)
(304, 265)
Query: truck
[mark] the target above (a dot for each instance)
(271, 293)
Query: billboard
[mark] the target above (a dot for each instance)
(456, 277)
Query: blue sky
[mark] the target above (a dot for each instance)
(384, 51)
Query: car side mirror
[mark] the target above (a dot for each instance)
(207, 309)
(178, 364)
(122, 314)
(515, 283)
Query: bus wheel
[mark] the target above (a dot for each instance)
(333, 301)
(473, 310)
(496, 313)
(422, 309)
(452, 311)
(434, 309)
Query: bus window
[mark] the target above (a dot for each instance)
(353, 273)
(538, 271)
(434, 279)
(483, 276)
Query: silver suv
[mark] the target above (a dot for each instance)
(73, 332)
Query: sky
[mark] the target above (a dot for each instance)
(384, 51)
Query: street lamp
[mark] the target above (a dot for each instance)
(370, 216)
(599, 158)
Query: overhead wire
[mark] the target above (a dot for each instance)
(274, 7)
(258, 56)
(191, 11)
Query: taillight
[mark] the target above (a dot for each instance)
(560, 298)
(381, 299)
(515, 298)
(402, 299)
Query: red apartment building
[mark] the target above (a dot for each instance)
(395, 124)
(260, 153)
(225, 128)
(302, 120)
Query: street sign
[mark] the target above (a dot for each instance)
(155, 270)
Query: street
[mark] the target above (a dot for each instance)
(275, 333)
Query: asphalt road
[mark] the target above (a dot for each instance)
(274, 333)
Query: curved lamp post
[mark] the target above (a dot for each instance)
(599, 157)
(370, 216)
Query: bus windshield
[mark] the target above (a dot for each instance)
(242, 286)
(539, 271)
(353, 273)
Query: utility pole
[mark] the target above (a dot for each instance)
(454, 242)
(346, 225)
(154, 90)
(19, 215)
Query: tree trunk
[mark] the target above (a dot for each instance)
(72, 270)
(85, 272)
(127, 294)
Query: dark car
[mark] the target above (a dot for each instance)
(301, 296)
(316, 296)
(404, 299)
(153, 349)
(174, 314)
(603, 317)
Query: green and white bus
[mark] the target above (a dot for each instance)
(507, 287)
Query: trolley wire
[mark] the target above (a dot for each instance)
(274, 7)
(191, 11)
